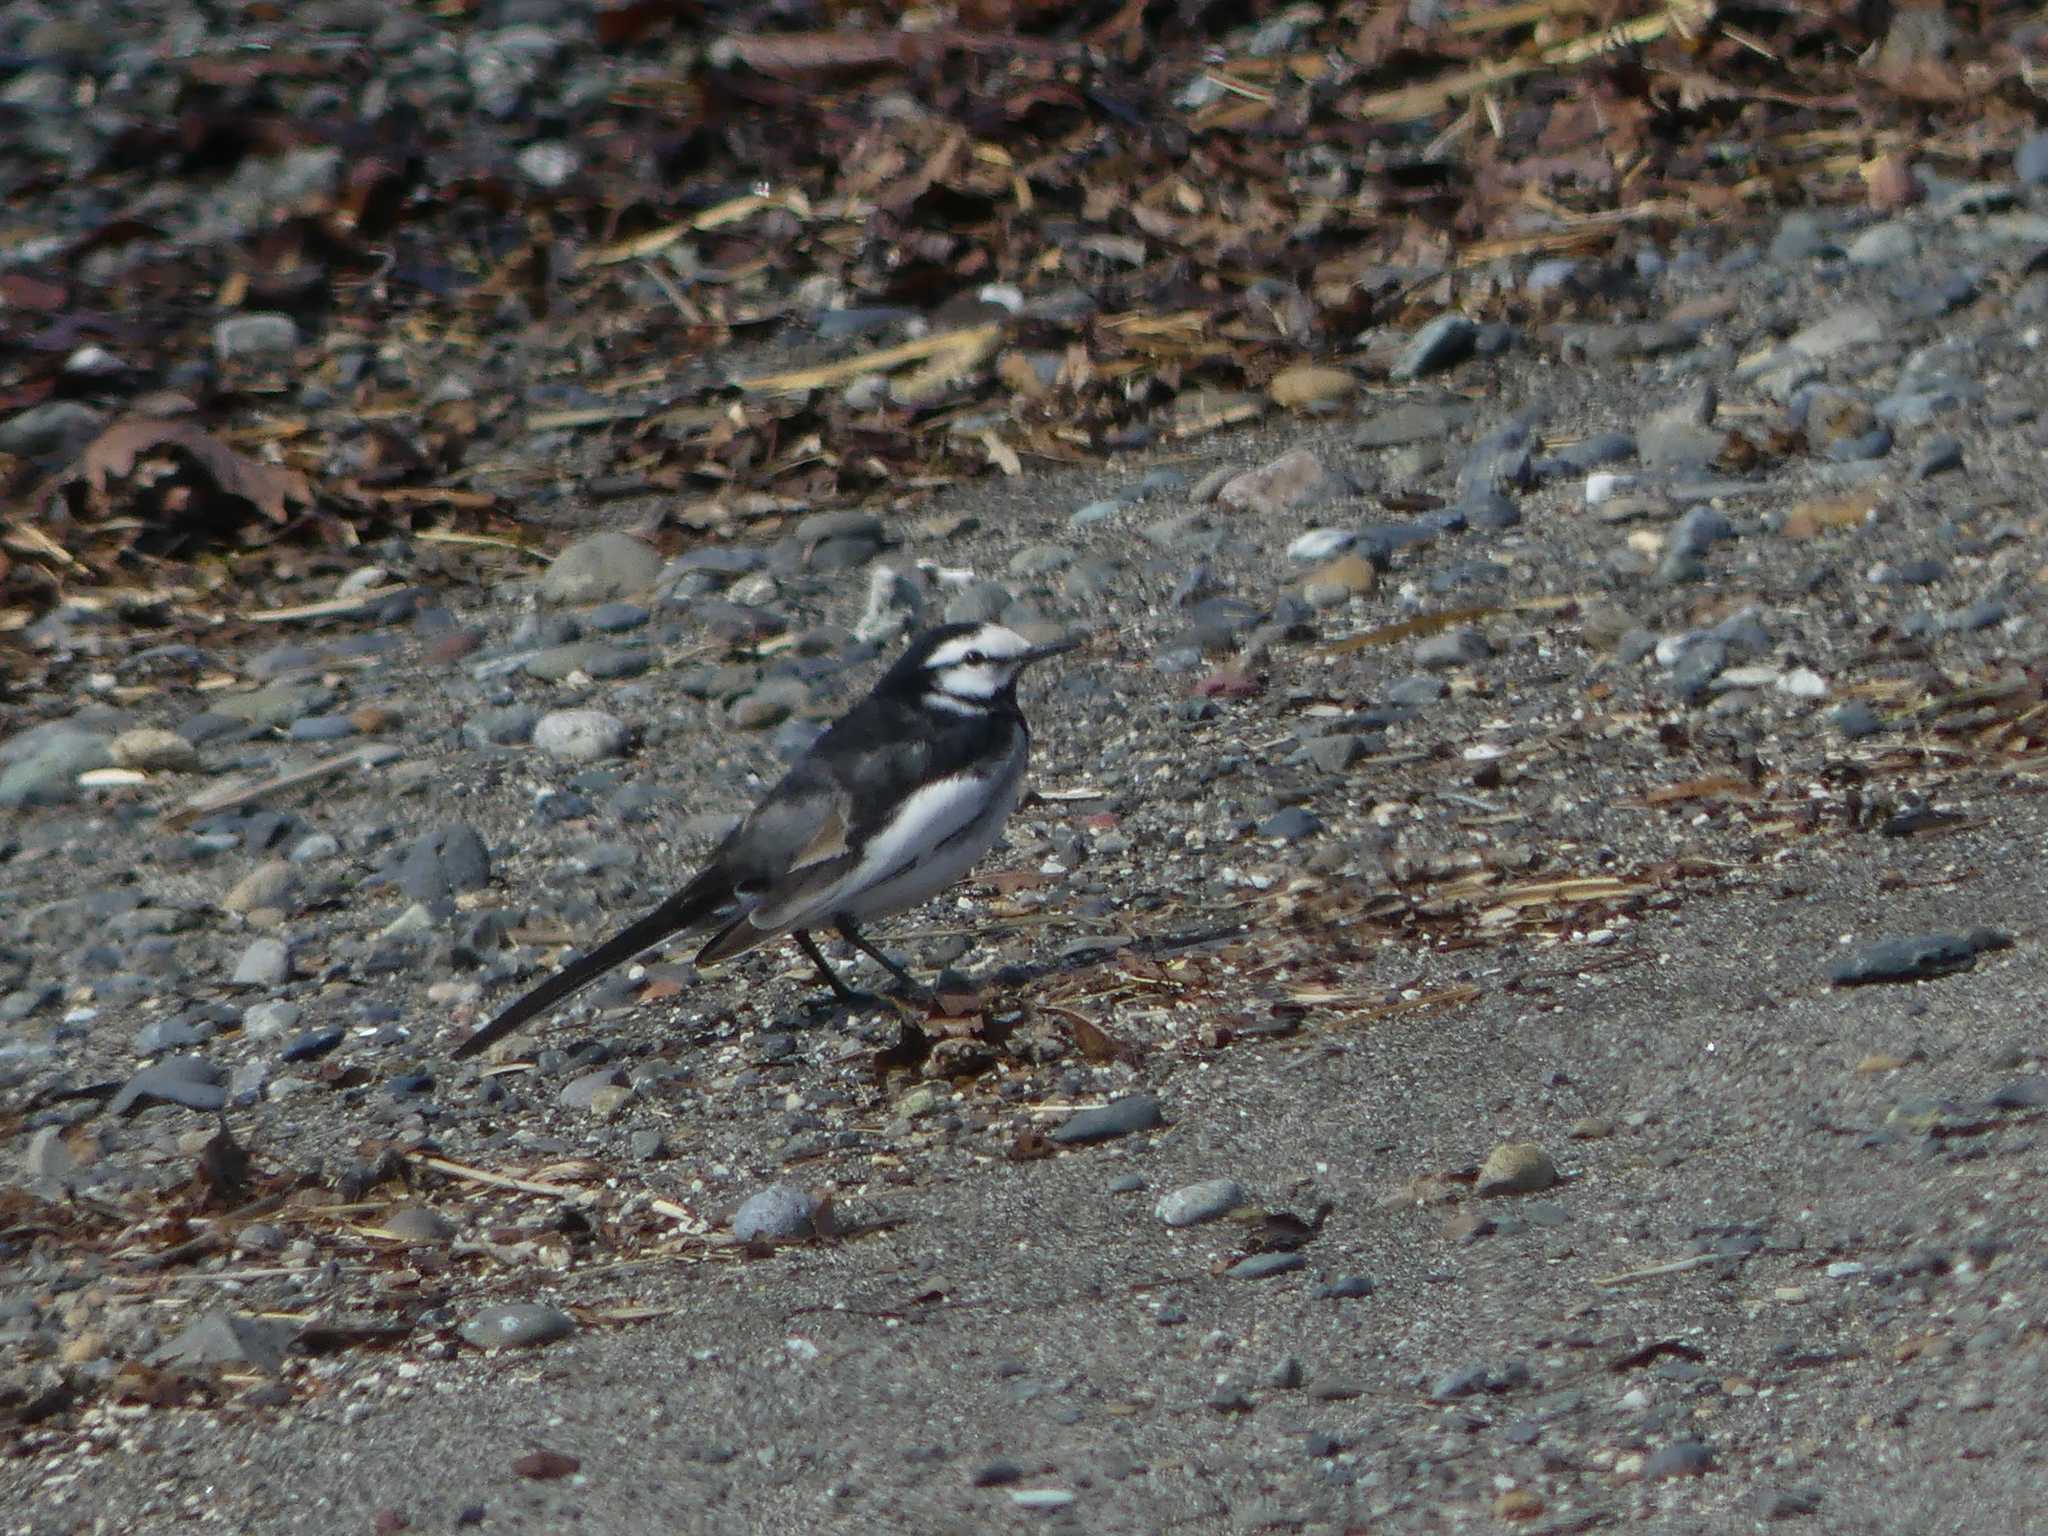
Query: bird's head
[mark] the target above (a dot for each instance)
(967, 667)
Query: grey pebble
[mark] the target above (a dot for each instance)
(517, 1325)
(190, 1081)
(267, 962)
(1261, 1266)
(778, 1213)
(313, 1044)
(603, 566)
(1344, 1288)
(1453, 648)
(1919, 958)
(581, 735)
(48, 775)
(1681, 1458)
(269, 1020)
(582, 1092)
(227, 1338)
(1444, 341)
(511, 726)
(1139, 1112)
(1195, 1203)
(254, 336)
(1291, 825)
(2030, 161)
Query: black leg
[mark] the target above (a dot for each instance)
(826, 974)
(852, 935)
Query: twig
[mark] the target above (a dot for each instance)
(228, 799)
(1676, 1266)
(499, 1180)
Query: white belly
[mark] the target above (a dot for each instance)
(947, 867)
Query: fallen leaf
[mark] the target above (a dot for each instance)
(115, 453)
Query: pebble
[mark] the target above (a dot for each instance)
(1320, 544)
(1883, 245)
(153, 750)
(599, 568)
(227, 1338)
(517, 1325)
(313, 1044)
(58, 428)
(1124, 1117)
(1263, 1266)
(418, 1224)
(1462, 647)
(2030, 161)
(1516, 1168)
(255, 337)
(269, 884)
(769, 705)
(49, 774)
(1681, 1458)
(1344, 1288)
(1413, 422)
(1443, 342)
(267, 962)
(581, 735)
(1919, 958)
(1196, 1203)
(190, 1081)
(270, 1020)
(48, 1157)
(1291, 481)
(778, 1213)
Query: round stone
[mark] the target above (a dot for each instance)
(581, 735)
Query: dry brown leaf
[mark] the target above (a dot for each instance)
(114, 454)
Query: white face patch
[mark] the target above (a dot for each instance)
(977, 666)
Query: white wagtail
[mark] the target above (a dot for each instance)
(894, 803)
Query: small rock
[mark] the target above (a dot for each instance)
(270, 1020)
(1309, 386)
(601, 567)
(228, 1338)
(1196, 1203)
(418, 1224)
(1516, 1168)
(1681, 1458)
(153, 750)
(1914, 959)
(269, 884)
(255, 336)
(1453, 648)
(190, 1081)
(2030, 162)
(1139, 1112)
(265, 963)
(517, 1325)
(1293, 480)
(1263, 1266)
(314, 1044)
(581, 735)
(1444, 341)
(778, 1213)
(995, 1474)
(1344, 1288)
(48, 1157)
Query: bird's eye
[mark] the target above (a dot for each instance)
(974, 658)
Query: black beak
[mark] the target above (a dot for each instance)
(1054, 648)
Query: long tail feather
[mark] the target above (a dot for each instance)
(686, 909)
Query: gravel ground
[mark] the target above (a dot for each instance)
(1476, 827)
